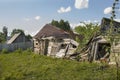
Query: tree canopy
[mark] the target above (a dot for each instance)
(3, 34)
(61, 24)
(15, 31)
(5, 31)
(2, 37)
(87, 30)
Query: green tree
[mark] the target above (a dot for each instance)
(15, 31)
(28, 36)
(5, 32)
(61, 24)
(2, 37)
(55, 23)
(88, 30)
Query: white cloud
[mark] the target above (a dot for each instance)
(80, 4)
(32, 19)
(73, 25)
(118, 9)
(108, 10)
(37, 18)
(26, 19)
(118, 20)
(64, 10)
(88, 21)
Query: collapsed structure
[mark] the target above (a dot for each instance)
(98, 48)
(53, 41)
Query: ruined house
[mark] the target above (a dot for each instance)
(53, 41)
(98, 47)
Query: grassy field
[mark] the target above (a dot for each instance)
(24, 65)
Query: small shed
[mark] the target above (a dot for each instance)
(18, 41)
(53, 41)
(18, 38)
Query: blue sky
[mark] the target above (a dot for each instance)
(32, 15)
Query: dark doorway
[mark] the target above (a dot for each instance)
(46, 47)
(103, 49)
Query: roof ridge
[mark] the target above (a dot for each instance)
(104, 18)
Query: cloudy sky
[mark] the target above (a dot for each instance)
(32, 15)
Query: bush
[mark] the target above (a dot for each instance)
(28, 51)
(19, 51)
(4, 51)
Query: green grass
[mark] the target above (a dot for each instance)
(24, 65)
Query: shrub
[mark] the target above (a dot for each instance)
(28, 51)
(19, 51)
(4, 51)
